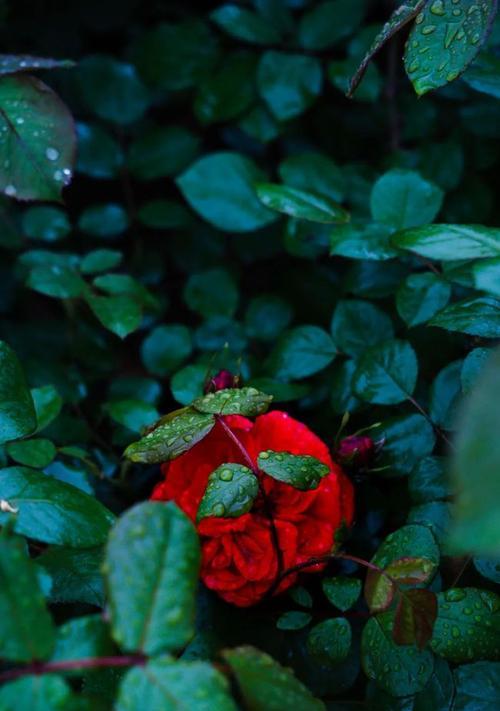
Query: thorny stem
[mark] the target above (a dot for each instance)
(251, 465)
(38, 668)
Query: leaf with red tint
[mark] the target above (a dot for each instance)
(415, 617)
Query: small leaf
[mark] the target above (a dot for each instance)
(411, 571)
(46, 692)
(56, 281)
(121, 314)
(399, 18)
(152, 612)
(293, 620)
(288, 83)
(74, 574)
(403, 199)
(48, 404)
(38, 146)
(52, 511)
(387, 373)
(451, 35)
(244, 24)
(329, 643)
(301, 204)
(248, 402)
(341, 591)
(165, 684)
(357, 325)
(82, 638)
(471, 681)
(360, 240)
(415, 617)
(172, 438)
(300, 471)
(17, 412)
(26, 629)
(487, 276)
(446, 242)
(421, 296)
(230, 492)
(476, 317)
(300, 352)
(265, 684)
(36, 452)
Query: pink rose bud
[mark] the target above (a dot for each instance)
(223, 380)
(357, 451)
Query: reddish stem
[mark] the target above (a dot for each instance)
(38, 668)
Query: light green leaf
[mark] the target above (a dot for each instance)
(301, 204)
(302, 472)
(447, 242)
(230, 492)
(248, 402)
(476, 317)
(46, 692)
(35, 452)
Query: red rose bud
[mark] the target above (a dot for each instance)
(222, 381)
(357, 451)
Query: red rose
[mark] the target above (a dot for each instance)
(239, 560)
(222, 381)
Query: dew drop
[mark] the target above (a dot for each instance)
(52, 153)
(437, 8)
(10, 190)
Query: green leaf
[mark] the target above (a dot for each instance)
(288, 83)
(407, 438)
(105, 220)
(164, 684)
(152, 612)
(267, 316)
(35, 452)
(52, 511)
(357, 325)
(487, 276)
(99, 155)
(300, 471)
(230, 492)
(293, 620)
(477, 687)
(213, 292)
(403, 199)
(387, 373)
(428, 481)
(248, 402)
(136, 415)
(400, 671)
(82, 638)
(162, 151)
(300, 352)
(447, 242)
(27, 631)
(468, 625)
(165, 348)
(244, 24)
(476, 317)
(313, 172)
(265, 684)
(329, 22)
(46, 692)
(421, 296)
(359, 240)
(46, 223)
(121, 314)
(229, 91)
(437, 516)
(37, 152)
(171, 438)
(188, 383)
(401, 16)
(57, 281)
(473, 366)
(475, 463)
(74, 575)
(17, 411)
(329, 642)
(301, 204)
(111, 89)
(484, 75)
(341, 591)
(452, 35)
(48, 404)
(100, 260)
(445, 395)
(489, 568)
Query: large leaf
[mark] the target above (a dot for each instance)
(446, 37)
(476, 317)
(164, 684)
(404, 199)
(38, 145)
(171, 438)
(26, 628)
(387, 373)
(468, 625)
(472, 681)
(301, 472)
(153, 611)
(53, 511)
(265, 684)
(230, 492)
(476, 462)
(17, 411)
(449, 242)
(220, 187)
(74, 575)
